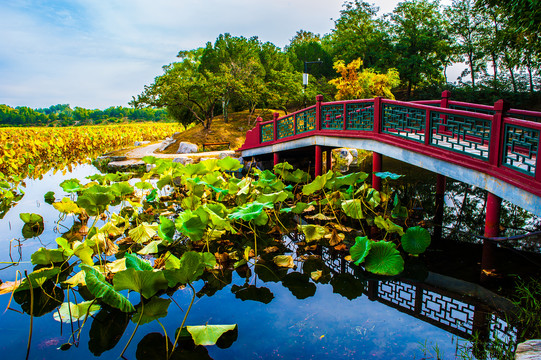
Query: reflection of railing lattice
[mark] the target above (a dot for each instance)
(452, 312)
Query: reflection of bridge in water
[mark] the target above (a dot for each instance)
(458, 307)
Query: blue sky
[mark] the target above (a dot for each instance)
(100, 53)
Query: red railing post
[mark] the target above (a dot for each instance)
(445, 95)
(428, 127)
(318, 160)
(496, 132)
(377, 115)
(275, 125)
(345, 127)
(258, 122)
(319, 100)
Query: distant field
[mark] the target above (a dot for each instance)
(32, 151)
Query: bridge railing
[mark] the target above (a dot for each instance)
(494, 139)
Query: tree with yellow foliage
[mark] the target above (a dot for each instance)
(364, 84)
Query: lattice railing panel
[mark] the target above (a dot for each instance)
(267, 132)
(286, 127)
(448, 311)
(399, 293)
(404, 121)
(332, 117)
(463, 134)
(306, 121)
(521, 148)
(360, 116)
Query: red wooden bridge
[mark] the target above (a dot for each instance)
(494, 148)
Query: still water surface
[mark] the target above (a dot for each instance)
(302, 319)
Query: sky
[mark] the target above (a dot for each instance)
(100, 53)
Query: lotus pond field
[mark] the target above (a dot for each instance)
(205, 261)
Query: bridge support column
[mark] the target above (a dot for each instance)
(440, 203)
(492, 229)
(319, 162)
(276, 158)
(376, 167)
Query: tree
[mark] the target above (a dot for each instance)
(359, 33)
(365, 84)
(467, 26)
(420, 41)
(183, 85)
(525, 15)
(306, 47)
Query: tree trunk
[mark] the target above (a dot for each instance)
(472, 71)
(529, 68)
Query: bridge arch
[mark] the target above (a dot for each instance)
(494, 148)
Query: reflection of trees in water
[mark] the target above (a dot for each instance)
(464, 217)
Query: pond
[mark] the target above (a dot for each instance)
(280, 312)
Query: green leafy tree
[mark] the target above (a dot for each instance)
(421, 43)
(183, 85)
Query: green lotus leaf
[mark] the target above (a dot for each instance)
(155, 309)
(164, 181)
(83, 252)
(415, 240)
(150, 248)
(96, 284)
(208, 334)
(70, 312)
(191, 202)
(94, 201)
(31, 218)
(195, 169)
(387, 174)
(49, 197)
(49, 256)
(144, 185)
(191, 225)
(373, 197)
(122, 189)
(191, 268)
(171, 261)
(282, 168)
(388, 225)
(71, 185)
(297, 176)
(316, 185)
(67, 206)
(250, 211)
(273, 197)
(37, 278)
(150, 159)
(349, 179)
(353, 208)
(399, 211)
(229, 164)
(312, 232)
(384, 259)
(151, 196)
(143, 232)
(361, 248)
(145, 282)
(135, 262)
(297, 209)
(166, 229)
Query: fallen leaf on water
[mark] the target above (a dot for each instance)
(315, 275)
(9, 286)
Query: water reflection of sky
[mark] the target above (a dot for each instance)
(323, 326)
